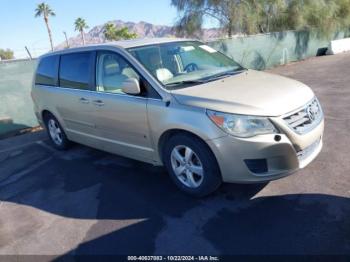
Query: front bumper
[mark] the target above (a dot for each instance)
(283, 157)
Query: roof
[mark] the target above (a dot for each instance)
(145, 41)
(122, 44)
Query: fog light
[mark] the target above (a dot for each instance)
(257, 166)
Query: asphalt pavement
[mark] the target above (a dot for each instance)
(85, 201)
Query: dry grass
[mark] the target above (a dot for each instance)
(21, 132)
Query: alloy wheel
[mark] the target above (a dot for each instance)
(55, 132)
(187, 166)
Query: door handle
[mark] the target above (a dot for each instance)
(84, 100)
(98, 103)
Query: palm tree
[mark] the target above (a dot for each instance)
(80, 25)
(45, 11)
(109, 31)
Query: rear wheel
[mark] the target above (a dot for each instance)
(56, 134)
(191, 165)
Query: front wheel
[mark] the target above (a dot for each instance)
(191, 165)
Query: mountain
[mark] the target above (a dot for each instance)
(142, 29)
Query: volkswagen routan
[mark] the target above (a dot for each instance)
(182, 104)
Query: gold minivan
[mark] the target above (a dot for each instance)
(181, 104)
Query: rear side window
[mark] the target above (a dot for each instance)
(75, 70)
(46, 73)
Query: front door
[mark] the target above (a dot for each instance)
(121, 119)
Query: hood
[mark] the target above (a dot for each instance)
(248, 93)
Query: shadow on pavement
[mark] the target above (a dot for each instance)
(304, 224)
(268, 226)
(90, 184)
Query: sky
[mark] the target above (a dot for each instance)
(19, 27)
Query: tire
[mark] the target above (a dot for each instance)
(56, 133)
(183, 156)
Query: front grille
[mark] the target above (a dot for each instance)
(305, 119)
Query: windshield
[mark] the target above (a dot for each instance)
(181, 64)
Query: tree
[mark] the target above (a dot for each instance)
(80, 25)
(263, 16)
(6, 54)
(232, 15)
(112, 33)
(45, 11)
(109, 31)
(270, 15)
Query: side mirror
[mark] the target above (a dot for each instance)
(131, 86)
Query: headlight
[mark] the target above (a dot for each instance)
(240, 125)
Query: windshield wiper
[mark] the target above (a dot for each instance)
(184, 82)
(207, 79)
(224, 74)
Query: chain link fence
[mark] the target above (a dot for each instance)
(256, 52)
(264, 51)
(16, 107)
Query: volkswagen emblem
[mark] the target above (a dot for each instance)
(312, 111)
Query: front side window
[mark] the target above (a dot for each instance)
(46, 73)
(75, 70)
(179, 64)
(112, 71)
